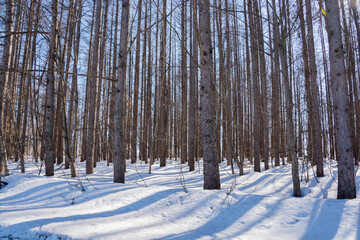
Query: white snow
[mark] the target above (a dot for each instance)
(156, 206)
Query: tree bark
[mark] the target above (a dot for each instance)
(344, 154)
(119, 113)
(90, 143)
(290, 137)
(183, 84)
(50, 95)
(207, 96)
(193, 75)
(316, 128)
(163, 119)
(136, 88)
(256, 91)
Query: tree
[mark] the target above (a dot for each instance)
(90, 143)
(163, 118)
(183, 85)
(207, 97)
(315, 99)
(50, 94)
(256, 90)
(344, 154)
(276, 89)
(192, 79)
(281, 42)
(4, 75)
(119, 113)
(136, 88)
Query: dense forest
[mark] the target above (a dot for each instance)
(268, 82)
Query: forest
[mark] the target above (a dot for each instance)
(136, 91)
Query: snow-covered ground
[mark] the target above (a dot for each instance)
(156, 206)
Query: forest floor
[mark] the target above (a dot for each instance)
(171, 204)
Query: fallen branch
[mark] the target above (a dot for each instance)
(5, 183)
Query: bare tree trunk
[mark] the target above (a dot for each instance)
(136, 88)
(355, 15)
(240, 93)
(249, 145)
(73, 101)
(193, 75)
(207, 97)
(67, 135)
(256, 91)
(183, 84)
(119, 113)
(328, 92)
(344, 154)
(148, 92)
(90, 143)
(113, 89)
(163, 119)
(4, 75)
(290, 137)
(49, 104)
(86, 105)
(217, 85)
(22, 83)
(264, 97)
(144, 93)
(317, 133)
(28, 62)
(307, 79)
(222, 120)
(276, 91)
(98, 131)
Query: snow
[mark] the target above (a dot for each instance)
(156, 206)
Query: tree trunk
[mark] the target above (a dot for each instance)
(207, 97)
(256, 91)
(136, 88)
(90, 143)
(119, 113)
(183, 84)
(193, 75)
(163, 119)
(344, 154)
(290, 137)
(49, 104)
(264, 106)
(316, 128)
(276, 91)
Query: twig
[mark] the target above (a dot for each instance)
(181, 179)
(140, 175)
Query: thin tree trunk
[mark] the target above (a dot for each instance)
(163, 119)
(136, 87)
(264, 98)
(290, 137)
(193, 75)
(50, 94)
(90, 143)
(256, 91)
(183, 84)
(317, 133)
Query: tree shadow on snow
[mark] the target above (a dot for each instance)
(77, 200)
(135, 206)
(325, 219)
(224, 219)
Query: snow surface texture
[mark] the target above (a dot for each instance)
(156, 206)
